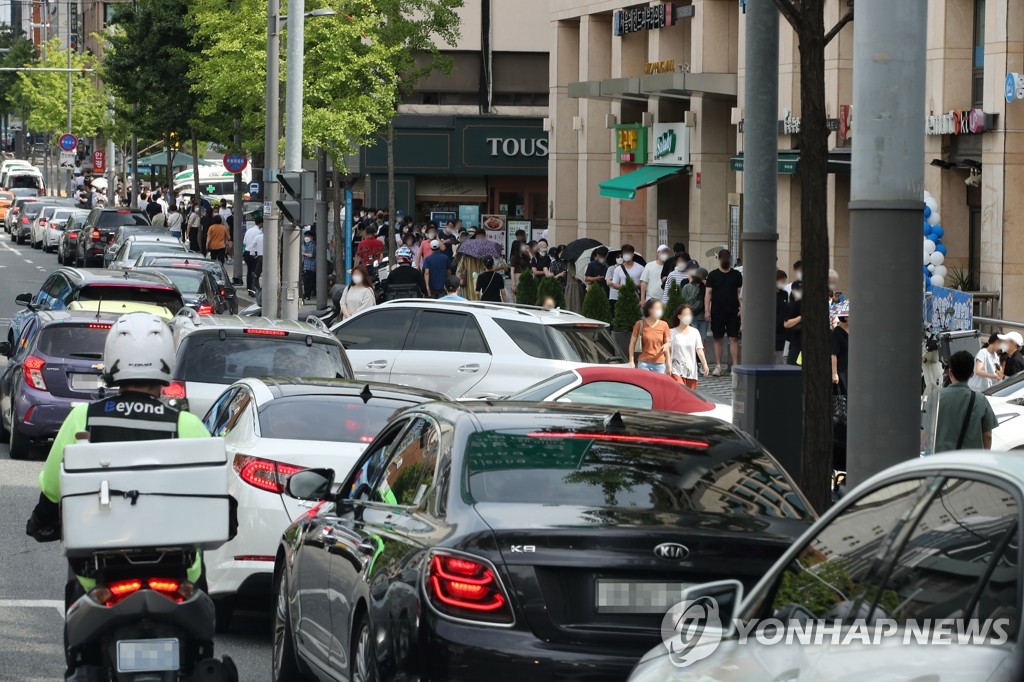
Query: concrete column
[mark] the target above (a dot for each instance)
(563, 141)
(595, 142)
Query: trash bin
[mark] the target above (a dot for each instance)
(767, 405)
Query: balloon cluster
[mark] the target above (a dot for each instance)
(934, 250)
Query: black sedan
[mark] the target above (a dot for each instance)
(198, 289)
(520, 541)
(210, 265)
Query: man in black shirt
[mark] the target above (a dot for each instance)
(597, 268)
(679, 249)
(404, 281)
(781, 306)
(840, 349)
(1014, 363)
(541, 263)
(490, 285)
(792, 322)
(722, 306)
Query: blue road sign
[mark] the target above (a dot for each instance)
(68, 142)
(1011, 86)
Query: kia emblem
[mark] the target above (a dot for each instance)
(672, 550)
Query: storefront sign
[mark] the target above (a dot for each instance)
(442, 218)
(470, 216)
(790, 124)
(649, 18)
(99, 161)
(522, 146)
(631, 143)
(495, 229)
(671, 146)
(451, 189)
(666, 66)
(958, 122)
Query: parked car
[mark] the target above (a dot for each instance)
(9, 165)
(135, 246)
(194, 260)
(214, 351)
(271, 429)
(21, 231)
(67, 286)
(67, 242)
(6, 199)
(99, 230)
(56, 364)
(520, 541)
(124, 232)
(198, 290)
(11, 218)
(622, 387)
(931, 539)
(471, 350)
(55, 226)
(40, 224)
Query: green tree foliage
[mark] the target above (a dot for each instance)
(675, 298)
(20, 52)
(595, 304)
(627, 309)
(526, 289)
(43, 95)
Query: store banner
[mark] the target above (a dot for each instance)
(442, 218)
(948, 310)
(470, 216)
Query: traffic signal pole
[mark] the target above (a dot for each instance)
(271, 278)
(290, 261)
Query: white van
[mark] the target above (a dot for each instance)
(11, 165)
(24, 178)
(215, 183)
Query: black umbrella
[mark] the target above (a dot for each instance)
(575, 249)
(612, 255)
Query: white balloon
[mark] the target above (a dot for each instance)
(936, 258)
(940, 270)
(929, 247)
(938, 281)
(931, 268)
(927, 194)
(931, 203)
(934, 219)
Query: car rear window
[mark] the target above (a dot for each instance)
(74, 340)
(109, 219)
(26, 181)
(703, 474)
(33, 209)
(334, 418)
(168, 298)
(187, 282)
(139, 248)
(205, 358)
(585, 343)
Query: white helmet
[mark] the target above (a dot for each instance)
(139, 347)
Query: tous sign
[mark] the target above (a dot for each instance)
(521, 146)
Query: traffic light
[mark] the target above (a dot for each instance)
(298, 202)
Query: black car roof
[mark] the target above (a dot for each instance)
(85, 277)
(284, 387)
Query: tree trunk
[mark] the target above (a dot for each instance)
(392, 210)
(816, 469)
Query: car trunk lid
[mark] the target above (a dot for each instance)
(74, 358)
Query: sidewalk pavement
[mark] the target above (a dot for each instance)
(718, 389)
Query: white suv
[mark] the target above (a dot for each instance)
(471, 349)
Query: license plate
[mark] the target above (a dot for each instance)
(86, 382)
(147, 655)
(628, 596)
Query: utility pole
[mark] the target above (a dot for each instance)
(67, 174)
(290, 259)
(321, 229)
(271, 278)
(885, 209)
(238, 214)
(760, 182)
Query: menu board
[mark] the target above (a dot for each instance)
(496, 228)
(513, 227)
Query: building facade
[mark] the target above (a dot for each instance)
(623, 72)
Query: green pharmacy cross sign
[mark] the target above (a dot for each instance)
(665, 145)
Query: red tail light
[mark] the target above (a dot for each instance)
(24, 218)
(256, 331)
(468, 588)
(33, 368)
(205, 309)
(42, 223)
(175, 389)
(113, 593)
(125, 587)
(95, 234)
(264, 474)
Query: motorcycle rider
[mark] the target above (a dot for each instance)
(404, 280)
(138, 358)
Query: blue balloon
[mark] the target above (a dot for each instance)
(941, 248)
(927, 229)
(937, 231)
(927, 212)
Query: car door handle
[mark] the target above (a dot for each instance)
(469, 369)
(377, 364)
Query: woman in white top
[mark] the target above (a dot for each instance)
(986, 365)
(687, 348)
(358, 295)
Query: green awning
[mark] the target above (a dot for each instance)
(625, 186)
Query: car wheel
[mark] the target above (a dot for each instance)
(18, 444)
(285, 664)
(225, 613)
(364, 659)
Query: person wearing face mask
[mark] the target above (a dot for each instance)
(680, 274)
(678, 251)
(693, 292)
(624, 268)
(541, 263)
(1014, 362)
(358, 295)
(781, 306)
(722, 308)
(425, 250)
(654, 338)
(597, 268)
(792, 323)
(650, 278)
(687, 348)
(308, 266)
(986, 365)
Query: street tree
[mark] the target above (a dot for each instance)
(47, 111)
(807, 18)
(20, 52)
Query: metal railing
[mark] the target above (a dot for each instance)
(989, 324)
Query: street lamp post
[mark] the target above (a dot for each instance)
(271, 278)
(293, 152)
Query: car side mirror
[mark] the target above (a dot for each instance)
(5, 349)
(313, 485)
(713, 605)
(23, 299)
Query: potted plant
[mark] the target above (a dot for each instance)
(595, 304)
(627, 314)
(526, 289)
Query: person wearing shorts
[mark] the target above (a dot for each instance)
(722, 307)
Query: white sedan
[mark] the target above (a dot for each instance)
(271, 429)
(913, 575)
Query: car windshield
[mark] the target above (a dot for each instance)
(543, 389)
(208, 359)
(584, 343)
(1006, 389)
(27, 181)
(168, 298)
(74, 340)
(707, 473)
(139, 248)
(114, 219)
(334, 418)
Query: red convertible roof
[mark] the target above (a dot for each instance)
(667, 393)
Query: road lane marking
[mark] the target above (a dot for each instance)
(33, 604)
(28, 261)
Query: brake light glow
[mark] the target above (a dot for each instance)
(98, 325)
(264, 474)
(111, 594)
(621, 438)
(265, 332)
(24, 218)
(255, 557)
(175, 389)
(124, 587)
(95, 234)
(163, 584)
(467, 588)
(205, 309)
(33, 369)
